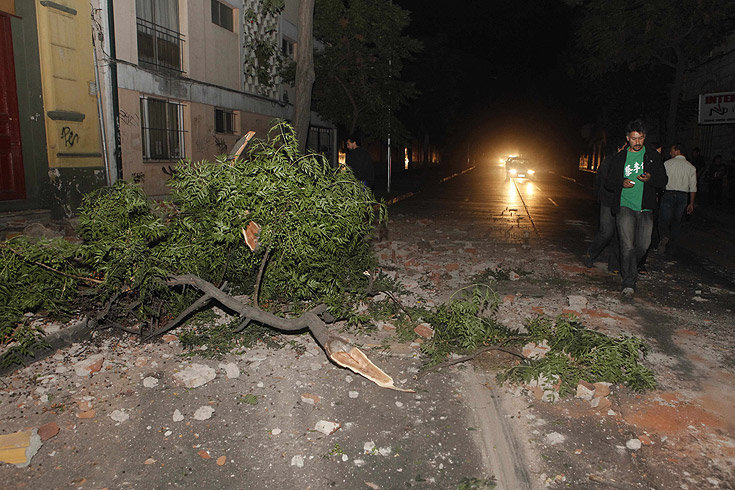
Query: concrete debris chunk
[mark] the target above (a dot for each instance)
(18, 448)
(88, 366)
(601, 404)
(47, 431)
(231, 370)
(577, 302)
(204, 413)
(178, 417)
(554, 438)
(150, 382)
(119, 416)
(513, 276)
(297, 461)
(310, 399)
(532, 350)
(195, 376)
(633, 444)
(326, 427)
(602, 389)
(424, 330)
(585, 390)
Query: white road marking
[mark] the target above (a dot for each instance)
(552, 202)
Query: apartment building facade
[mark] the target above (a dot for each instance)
(139, 85)
(193, 76)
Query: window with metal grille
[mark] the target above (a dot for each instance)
(159, 40)
(162, 129)
(224, 121)
(222, 15)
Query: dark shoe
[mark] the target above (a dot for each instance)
(613, 272)
(642, 270)
(587, 260)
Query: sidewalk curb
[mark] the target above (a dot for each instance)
(55, 341)
(407, 195)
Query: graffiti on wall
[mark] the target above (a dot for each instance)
(221, 145)
(68, 136)
(128, 119)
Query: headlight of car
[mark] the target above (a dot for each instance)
(531, 172)
(513, 171)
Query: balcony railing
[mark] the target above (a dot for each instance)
(158, 46)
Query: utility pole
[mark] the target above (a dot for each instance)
(390, 67)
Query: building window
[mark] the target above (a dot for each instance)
(222, 15)
(159, 40)
(224, 121)
(287, 48)
(162, 129)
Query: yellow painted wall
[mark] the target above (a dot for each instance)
(7, 6)
(68, 87)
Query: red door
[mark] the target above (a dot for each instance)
(12, 179)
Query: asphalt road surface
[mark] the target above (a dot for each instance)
(560, 210)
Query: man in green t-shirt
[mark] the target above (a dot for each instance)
(634, 176)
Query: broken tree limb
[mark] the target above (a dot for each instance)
(49, 268)
(459, 360)
(337, 348)
(259, 278)
(195, 306)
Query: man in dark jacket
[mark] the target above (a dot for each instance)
(605, 236)
(358, 159)
(633, 177)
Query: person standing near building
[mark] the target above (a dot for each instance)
(678, 197)
(634, 176)
(359, 160)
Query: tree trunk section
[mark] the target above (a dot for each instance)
(304, 72)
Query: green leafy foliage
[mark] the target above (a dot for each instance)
(579, 353)
(315, 224)
(358, 71)
(314, 220)
(477, 483)
(25, 286)
(464, 323)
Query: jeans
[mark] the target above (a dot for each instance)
(606, 236)
(634, 230)
(673, 207)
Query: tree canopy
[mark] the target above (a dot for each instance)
(358, 69)
(657, 34)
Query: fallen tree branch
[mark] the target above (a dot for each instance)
(195, 306)
(44, 266)
(259, 278)
(459, 360)
(337, 348)
(390, 295)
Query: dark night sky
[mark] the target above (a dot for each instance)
(494, 74)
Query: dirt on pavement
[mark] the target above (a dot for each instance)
(288, 418)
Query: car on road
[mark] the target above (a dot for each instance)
(519, 167)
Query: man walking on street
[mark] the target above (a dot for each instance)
(678, 197)
(633, 177)
(606, 236)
